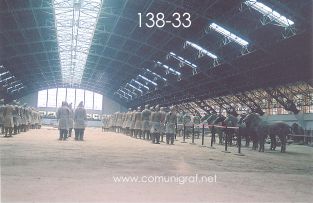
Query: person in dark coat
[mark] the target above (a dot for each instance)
(80, 119)
(71, 120)
(63, 116)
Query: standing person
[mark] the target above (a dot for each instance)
(80, 118)
(128, 121)
(63, 115)
(119, 122)
(156, 125)
(124, 119)
(196, 122)
(145, 128)
(133, 122)
(170, 121)
(180, 125)
(150, 122)
(163, 115)
(23, 118)
(104, 120)
(71, 120)
(8, 120)
(15, 117)
(1, 115)
(188, 124)
(28, 118)
(138, 123)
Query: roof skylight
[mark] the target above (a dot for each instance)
(270, 13)
(155, 74)
(201, 50)
(9, 81)
(121, 96)
(131, 97)
(148, 80)
(169, 69)
(4, 73)
(134, 87)
(182, 60)
(140, 84)
(75, 22)
(228, 35)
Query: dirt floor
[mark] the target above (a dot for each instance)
(36, 167)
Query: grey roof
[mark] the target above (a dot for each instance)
(121, 50)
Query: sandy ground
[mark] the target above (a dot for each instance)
(36, 167)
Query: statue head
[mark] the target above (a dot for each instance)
(157, 108)
(138, 108)
(81, 104)
(1, 101)
(14, 102)
(147, 106)
(172, 108)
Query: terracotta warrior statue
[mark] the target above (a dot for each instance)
(156, 125)
(145, 118)
(137, 127)
(170, 122)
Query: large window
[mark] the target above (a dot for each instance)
(88, 100)
(61, 96)
(54, 98)
(97, 102)
(70, 97)
(80, 96)
(42, 98)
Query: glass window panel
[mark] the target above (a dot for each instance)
(75, 39)
(52, 97)
(42, 98)
(310, 109)
(79, 97)
(88, 99)
(70, 97)
(61, 96)
(97, 101)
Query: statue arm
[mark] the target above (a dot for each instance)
(58, 114)
(165, 120)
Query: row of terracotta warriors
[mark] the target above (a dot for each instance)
(16, 118)
(134, 119)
